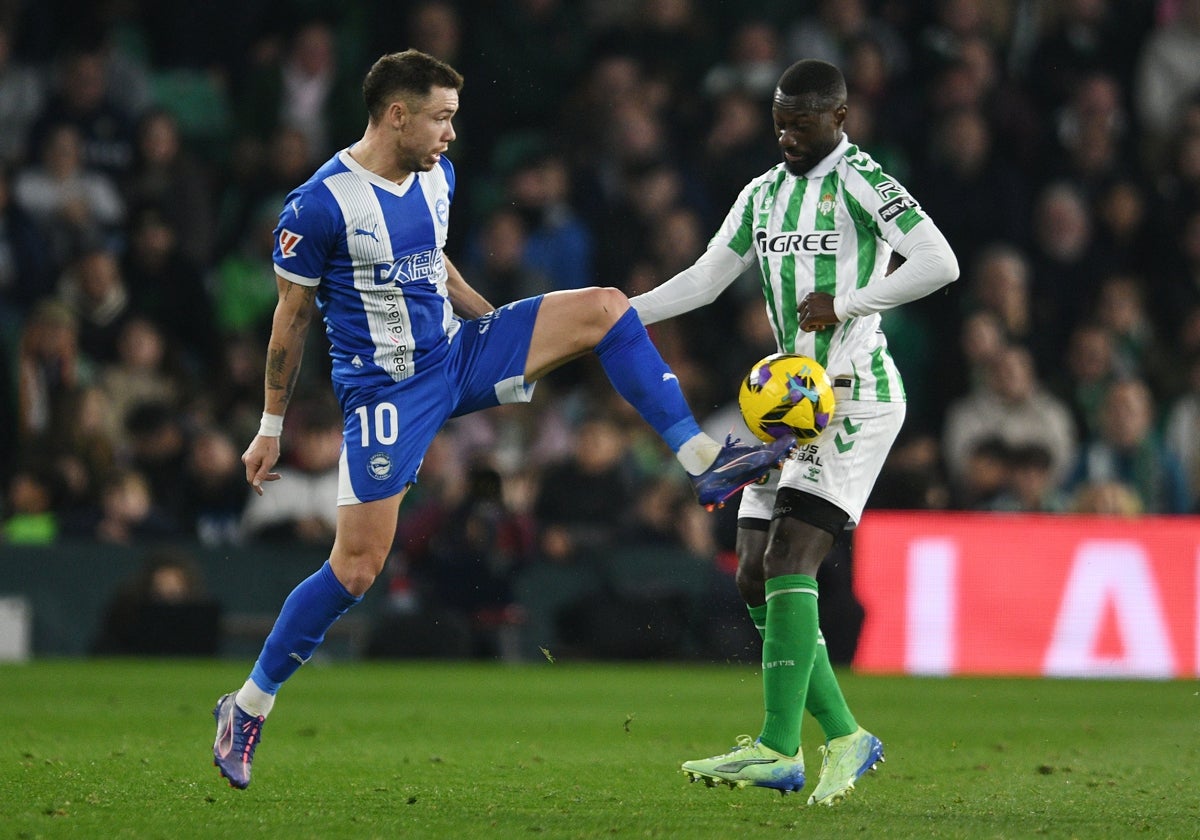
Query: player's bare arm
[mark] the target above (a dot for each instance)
(289, 326)
(467, 302)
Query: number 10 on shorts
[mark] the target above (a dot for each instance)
(386, 426)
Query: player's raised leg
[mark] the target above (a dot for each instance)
(572, 323)
(364, 537)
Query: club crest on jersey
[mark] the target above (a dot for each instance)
(288, 242)
(825, 206)
(441, 209)
(814, 242)
(380, 466)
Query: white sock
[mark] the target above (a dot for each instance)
(253, 700)
(698, 453)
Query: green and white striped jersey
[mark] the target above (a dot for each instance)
(832, 231)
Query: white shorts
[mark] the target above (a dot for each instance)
(840, 466)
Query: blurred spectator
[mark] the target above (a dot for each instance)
(261, 180)
(837, 26)
(1130, 450)
(645, 192)
(1138, 349)
(48, 373)
(1178, 291)
(738, 146)
(1082, 37)
(216, 494)
(82, 99)
(983, 475)
(1106, 498)
(76, 207)
(1016, 408)
(166, 286)
(912, 477)
(243, 281)
(497, 264)
(963, 371)
(300, 505)
(583, 498)
(1182, 429)
(26, 269)
(1090, 134)
(1125, 226)
(513, 439)
(1167, 76)
(95, 290)
(981, 198)
(86, 452)
(22, 93)
(534, 81)
(952, 23)
(475, 556)
(558, 244)
(166, 177)
(29, 513)
(1001, 283)
(126, 514)
(1066, 269)
(164, 609)
(301, 87)
(157, 448)
(1031, 486)
(1089, 369)
(140, 372)
(752, 65)
(233, 392)
(434, 27)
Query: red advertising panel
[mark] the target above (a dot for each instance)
(999, 594)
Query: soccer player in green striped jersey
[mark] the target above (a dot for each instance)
(823, 226)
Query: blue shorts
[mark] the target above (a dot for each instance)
(387, 430)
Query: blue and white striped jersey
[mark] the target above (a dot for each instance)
(373, 249)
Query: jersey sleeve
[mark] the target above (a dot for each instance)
(737, 231)
(305, 236)
(890, 208)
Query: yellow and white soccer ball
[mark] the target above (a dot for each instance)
(786, 393)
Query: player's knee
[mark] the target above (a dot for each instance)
(750, 582)
(357, 569)
(606, 306)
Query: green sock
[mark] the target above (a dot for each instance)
(759, 616)
(789, 649)
(824, 700)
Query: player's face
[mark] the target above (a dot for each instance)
(806, 136)
(428, 130)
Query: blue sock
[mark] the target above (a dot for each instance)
(640, 375)
(317, 602)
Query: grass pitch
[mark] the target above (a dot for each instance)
(121, 749)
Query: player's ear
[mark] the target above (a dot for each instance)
(397, 113)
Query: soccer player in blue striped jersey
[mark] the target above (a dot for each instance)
(413, 345)
(823, 226)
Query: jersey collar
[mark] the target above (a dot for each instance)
(826, 164)
(378, 180)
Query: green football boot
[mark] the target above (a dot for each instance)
(749, 763)
(846, 760)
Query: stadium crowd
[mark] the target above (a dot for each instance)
(146, 150)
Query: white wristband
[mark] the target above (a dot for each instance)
(271, 425)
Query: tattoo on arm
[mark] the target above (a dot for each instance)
(283, 365)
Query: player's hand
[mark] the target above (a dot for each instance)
(259, 458)
(816, 311)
